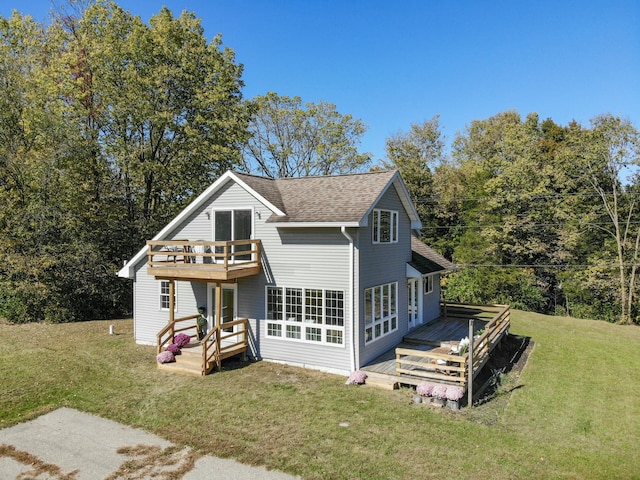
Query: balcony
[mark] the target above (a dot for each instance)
(203, 261)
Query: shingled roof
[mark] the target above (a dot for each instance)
(426, 260)
(327, 199)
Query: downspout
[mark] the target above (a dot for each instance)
(355, 329)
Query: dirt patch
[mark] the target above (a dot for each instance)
(38, 467)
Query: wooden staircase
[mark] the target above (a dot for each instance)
(189, 361)
(199, 357)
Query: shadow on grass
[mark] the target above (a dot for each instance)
(503, 369)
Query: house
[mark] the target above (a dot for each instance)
(327, 271)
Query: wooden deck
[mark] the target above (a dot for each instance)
(203, 261)
(420, 355)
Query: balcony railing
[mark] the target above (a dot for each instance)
(201, 260)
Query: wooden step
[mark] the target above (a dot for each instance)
(188, 361)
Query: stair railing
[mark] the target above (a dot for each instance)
(165, 336)
(211, 350)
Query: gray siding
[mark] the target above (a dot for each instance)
(381, 264)
(305, 258)
(431, 302)
(313, 258)
(149, 317)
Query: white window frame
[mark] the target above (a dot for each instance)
(380, 311)
(427, 281)
(216, 210)
(164, 296)
(306, 315)
(377, 223)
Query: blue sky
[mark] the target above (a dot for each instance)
(394, 63)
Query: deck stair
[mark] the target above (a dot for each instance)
(201, 357)
(189, 361)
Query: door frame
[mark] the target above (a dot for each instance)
(211, 311)
(232, 210)
(415, 298)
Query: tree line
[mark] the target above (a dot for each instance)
(109, 127)
(537, 215)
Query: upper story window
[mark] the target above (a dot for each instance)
(385, 226)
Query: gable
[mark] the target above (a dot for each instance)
(328, 201)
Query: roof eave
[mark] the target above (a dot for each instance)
(314, 224)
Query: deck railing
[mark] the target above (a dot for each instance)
(432, 365)
(216, 345)
(201, 254)
(440, 366)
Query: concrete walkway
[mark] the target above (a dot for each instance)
(70, 445)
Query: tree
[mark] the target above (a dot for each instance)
(170, 112)
(415, 154)
(289, 139)
(101, 146)
(612, 145)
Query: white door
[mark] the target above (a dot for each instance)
(413, 296)
(231, 225)
(229, 304)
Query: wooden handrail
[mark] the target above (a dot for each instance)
(495, 329)
(212, 349)
(171, 328)
(183, 251)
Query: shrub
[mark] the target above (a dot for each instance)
(425, 389)
(173, 348)
(439, 391)
(181, 340)
(357, 378)
(166, 357)
(454, 393)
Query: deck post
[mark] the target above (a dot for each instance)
(218, 312)
(470, 376)
(172, 301)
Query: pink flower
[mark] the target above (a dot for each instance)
(173, 348)
(424, 389)
(165, 357)
(454, 393)
(181, 340)
(439, 391)
(357, 378)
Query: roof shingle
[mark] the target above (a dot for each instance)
(338, 198)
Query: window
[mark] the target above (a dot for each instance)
(428, 284)
(164, 296)
(380, 311)
(385, 226)
(312, 315)
(233, 225)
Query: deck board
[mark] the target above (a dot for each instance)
(425, 337)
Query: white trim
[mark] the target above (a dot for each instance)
(426, 279)
(382, 320)
(175, 294)
(211, 298)
(313, 224)
(411, 272)
(405, 198)
(352, 323)
(303, 324)
(394, 223)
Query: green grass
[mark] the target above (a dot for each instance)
(573, 413)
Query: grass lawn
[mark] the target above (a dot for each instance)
(573, 413)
